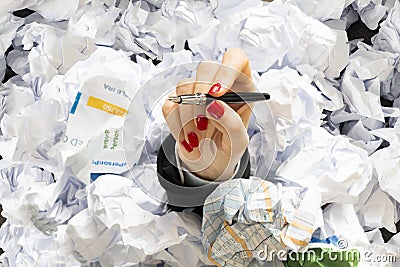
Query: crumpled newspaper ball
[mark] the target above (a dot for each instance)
(244, 218)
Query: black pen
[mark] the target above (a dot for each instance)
(230, 98)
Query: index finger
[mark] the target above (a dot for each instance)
(235, 66)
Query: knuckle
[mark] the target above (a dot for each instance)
(183, 89)
(224, 71)
(206, 66)
(228, 72)
(184, 86)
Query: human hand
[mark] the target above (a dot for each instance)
(212, 138)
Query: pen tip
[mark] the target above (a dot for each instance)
(175, 99)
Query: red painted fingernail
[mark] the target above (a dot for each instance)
(187, 146)
(215, 109)
(202, 122)
(214, 88)
(193, 139)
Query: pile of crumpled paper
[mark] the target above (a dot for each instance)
(78, 183)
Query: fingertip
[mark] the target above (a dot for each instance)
(215, 88)
(193, 139)
(201, 122)
(187, 146)
(216, 109)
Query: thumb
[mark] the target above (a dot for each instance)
(227, 121)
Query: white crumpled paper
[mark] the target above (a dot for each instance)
(35, 205)
(8, 28)
(113, 216)
(262, 31)
(362, 85)
(95, 20)
(388, 37)
(371, 12)
(51, 52)
(361, 82)
(153, 32)
(294, 103)
(386, 160)
(379, 211)
(328, 162)
(341, 220)
(319, 9)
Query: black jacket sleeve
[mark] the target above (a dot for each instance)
(180, 194)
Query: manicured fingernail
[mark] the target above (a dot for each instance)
(202, 122)
(187, 146)
(215, 109)
(193, 139)
(214, 88)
